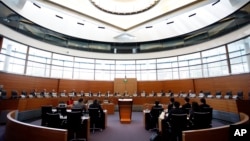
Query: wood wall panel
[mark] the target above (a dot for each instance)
(86, 86)
(27, 83)
(224, 84)
(130, 86)
(232, 83)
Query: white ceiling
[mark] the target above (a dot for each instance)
(81, 19)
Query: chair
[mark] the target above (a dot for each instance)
(62, 110)
(77, 110)
(95, 118)
(45, 109)
(239, 95)
(154, 115)
(177, 124)
(14, 94)
(3, 94)
(208, 109)
(201, 120)
(218, 95)
(53, 120)
(228, 95)
(74, 126)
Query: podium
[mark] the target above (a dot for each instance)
(125, 110)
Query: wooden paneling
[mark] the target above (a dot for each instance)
(234, 83)
(86, 86)
(27, 83)
(122, 86)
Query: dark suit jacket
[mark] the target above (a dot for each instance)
(175, 111)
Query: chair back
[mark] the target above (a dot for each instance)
(44, 110)
(94, 114)
(178, 122)
(74, 120)
(156, 111)
(62, 110)
(202, 120)
(53, 120)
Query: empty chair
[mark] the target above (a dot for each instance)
(154, 115)
(45, 109)
(208, 95)
(95, 119)
(177, 124)
(74, 126)
(201, 120)
(53, 120)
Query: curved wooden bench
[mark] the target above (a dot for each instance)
(20, 131)
(212, 134)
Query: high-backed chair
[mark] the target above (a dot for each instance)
(3, 94)
(77, 110)
(208, 109)
(228, 95)
(154, 115)
(95, 119)
(53, 120)
(44, 110)
(14, 94)
(201, 120)
(218, 95)
(74, 126)
(177, 124)
(62, 110)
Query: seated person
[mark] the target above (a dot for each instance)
(170, 105)
(203, 103)
(155, 112)
(175, 110)
(194, 108)
(187, 105)
(70, 102)
(80, 105)
(96, 104)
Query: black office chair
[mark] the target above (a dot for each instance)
(74, 126)
(62, 110)
(201, 120)
(177, 124)
(208, 109)
(3, 94)
(77, 110)
(14, 94)
(154, 115)
(44, 110)
(95, 118)
(53, 120)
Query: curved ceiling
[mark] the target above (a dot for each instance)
(168, 18)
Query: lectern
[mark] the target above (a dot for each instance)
(125, 110)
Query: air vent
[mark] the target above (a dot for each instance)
(101, 27)
(149, 26)
(80, 23)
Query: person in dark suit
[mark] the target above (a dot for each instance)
(96, 104)
(194, 108)
(203, 103)
(170, 105)
(187, 105)
(175, 110)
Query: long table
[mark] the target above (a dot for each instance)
(226, 105)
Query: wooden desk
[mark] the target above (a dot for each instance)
(125, 110)
(110, 107)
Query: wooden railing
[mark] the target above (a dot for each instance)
(212, 134)
(20, 131)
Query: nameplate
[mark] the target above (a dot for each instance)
(125, 99)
